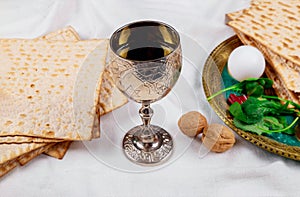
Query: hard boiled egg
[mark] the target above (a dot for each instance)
(246, 62)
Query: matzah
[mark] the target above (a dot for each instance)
(278, 85)
(113, 99)
(59, 150)
(235, 15)
(110, 97)
(25, 158)
(25, 139)
(275, 24)
(67, 34)
(283, 72)
(22, 159)
(13, 151)
(7, 167)
(56, 80)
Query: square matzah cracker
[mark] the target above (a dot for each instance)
(41, 85)
(276, 25)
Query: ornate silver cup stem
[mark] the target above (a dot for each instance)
(146, 113)
(147, 144)
(146, 139)
(146, 135)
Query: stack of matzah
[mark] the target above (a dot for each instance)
(273, 26)
(53, 90)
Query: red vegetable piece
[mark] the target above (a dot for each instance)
(234, 98)
(243, 98)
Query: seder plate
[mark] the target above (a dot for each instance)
(213, 82)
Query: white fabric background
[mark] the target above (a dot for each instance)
(245, 170)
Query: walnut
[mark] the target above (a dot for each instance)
(192, 123)
(218, 138)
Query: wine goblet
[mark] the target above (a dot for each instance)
(145, 63)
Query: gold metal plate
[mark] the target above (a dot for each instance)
(212, 82)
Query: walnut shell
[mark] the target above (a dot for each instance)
(218, 138)
(192, 123)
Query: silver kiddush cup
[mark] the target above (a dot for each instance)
(145, 63)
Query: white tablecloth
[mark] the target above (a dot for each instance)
(245, 170)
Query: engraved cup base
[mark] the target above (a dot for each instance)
(147, 152)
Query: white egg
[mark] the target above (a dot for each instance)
(246, 62)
